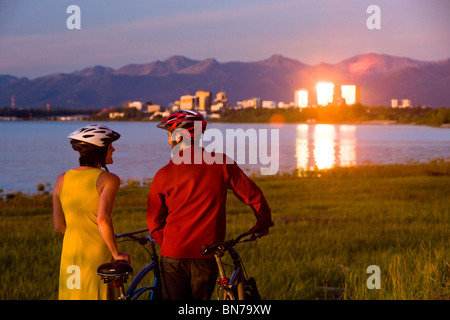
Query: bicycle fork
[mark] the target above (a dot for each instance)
(236, 277)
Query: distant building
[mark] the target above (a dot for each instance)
(174, 106)
(268, 104)
(350, 93)
(328, 93)
(285, 105)
(189, 102)
(204, 100)
(221, 96)
(250, 103)
(400, 103)
(220, 103)
(406, 103)
(325, 93)
(116, 115)
(77, 117)
(301, 98)
(152, 108)
(134, 104)
(160, 114)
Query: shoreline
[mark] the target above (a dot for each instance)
(438, 167)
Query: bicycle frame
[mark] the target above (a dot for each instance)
(233, 287)
(134, 292)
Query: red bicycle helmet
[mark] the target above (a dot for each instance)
(183, 119)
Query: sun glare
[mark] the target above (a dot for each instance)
(349, 94)
(325, 91)
(301, 98)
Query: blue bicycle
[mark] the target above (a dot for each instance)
(119, 271)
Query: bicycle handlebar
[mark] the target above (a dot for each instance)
(253, 235)
(131, 235)
(219, 247)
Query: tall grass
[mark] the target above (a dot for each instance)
(327, 231)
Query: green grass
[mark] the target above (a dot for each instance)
(328, 230)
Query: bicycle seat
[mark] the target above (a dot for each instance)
(115, 268)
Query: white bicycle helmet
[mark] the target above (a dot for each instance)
(96, 134)
(92, 143)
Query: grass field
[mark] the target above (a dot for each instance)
(330, 226)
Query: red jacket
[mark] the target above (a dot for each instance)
(186, 204)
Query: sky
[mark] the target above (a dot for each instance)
(35, 40)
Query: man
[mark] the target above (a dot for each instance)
(186, 207)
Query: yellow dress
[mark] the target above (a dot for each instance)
(83, 246)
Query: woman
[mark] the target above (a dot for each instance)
(83, 201)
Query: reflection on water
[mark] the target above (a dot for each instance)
(325, 146)
(37, 152)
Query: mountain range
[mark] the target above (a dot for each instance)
(380, 78)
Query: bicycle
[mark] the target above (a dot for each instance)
(119, 271)
(239, 286)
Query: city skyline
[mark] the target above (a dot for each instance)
(35, 40)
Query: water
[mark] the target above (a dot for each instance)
(37, 152)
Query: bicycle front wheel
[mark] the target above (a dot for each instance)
(250, 290)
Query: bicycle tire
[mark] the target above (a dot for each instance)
(251, 289)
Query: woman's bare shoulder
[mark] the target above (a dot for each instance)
(59, 183)
(109, 177)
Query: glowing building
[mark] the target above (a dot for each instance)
(325, 92)
(349, 93)
(301, 98)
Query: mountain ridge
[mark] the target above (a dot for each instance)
(380, 77)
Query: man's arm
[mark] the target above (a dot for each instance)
(156, 210)
(249, 193)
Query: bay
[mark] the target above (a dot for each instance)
(36, 152)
